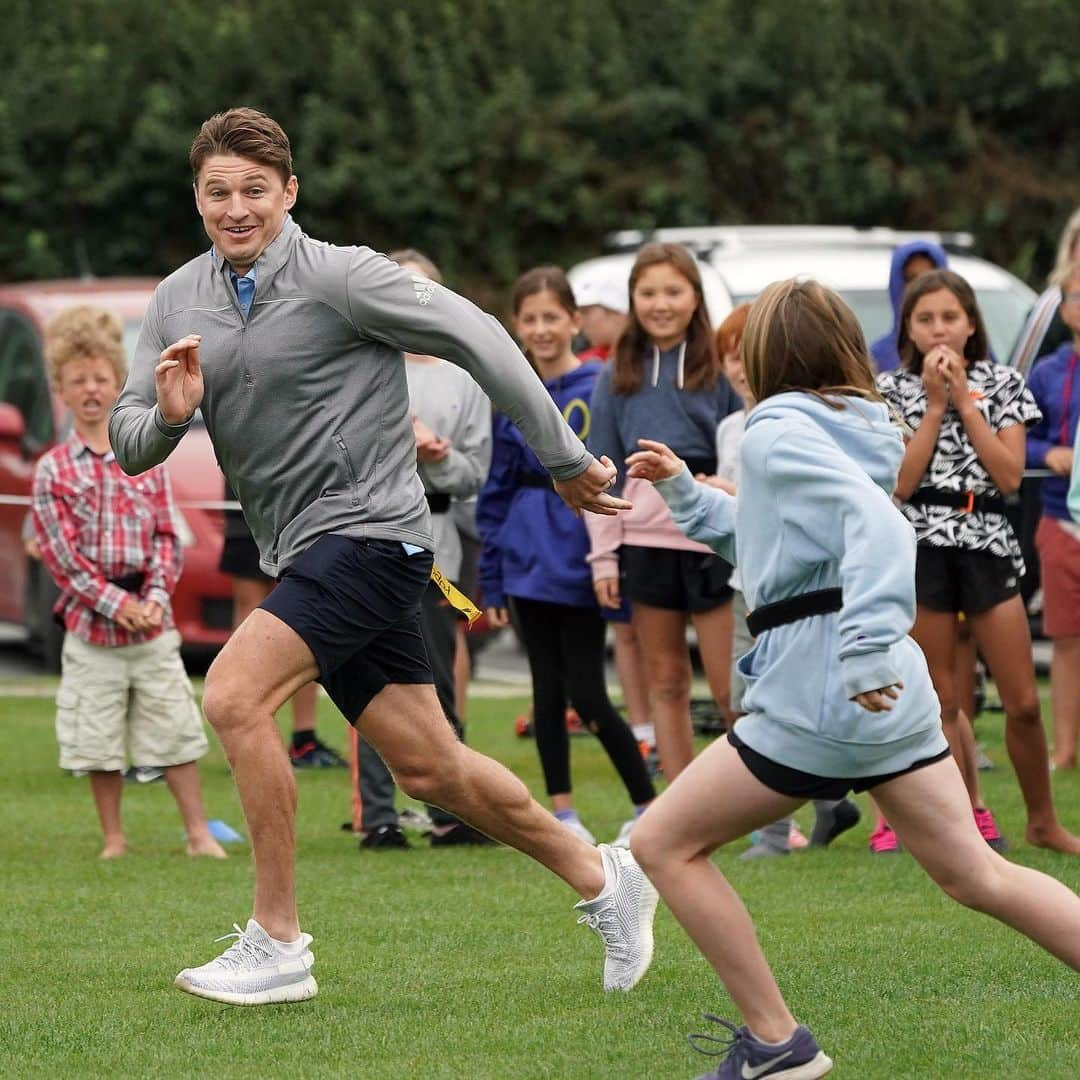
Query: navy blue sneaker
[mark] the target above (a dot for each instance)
(747, 1058)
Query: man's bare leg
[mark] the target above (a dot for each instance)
(407, 727)
(261, 666)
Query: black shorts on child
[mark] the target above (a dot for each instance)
(675, 580)
(956, 579)
(802, 785)
(356, 604)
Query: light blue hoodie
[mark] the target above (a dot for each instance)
(814, 511)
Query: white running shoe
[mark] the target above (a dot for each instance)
(579, 830)
(254, 970)
(622, 915)
(623, 839)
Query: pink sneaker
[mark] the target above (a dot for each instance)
(883, 840)
(988, 829)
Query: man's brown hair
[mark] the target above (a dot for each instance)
(246, 133)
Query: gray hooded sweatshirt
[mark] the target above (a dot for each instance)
(306, 399)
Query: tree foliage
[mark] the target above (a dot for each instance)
(496, 134)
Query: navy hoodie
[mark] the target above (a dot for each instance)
(534, 546)
(884, 349)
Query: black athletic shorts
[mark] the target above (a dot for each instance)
(675, 580)
(356, 604)
(802, 785)
(955, 579)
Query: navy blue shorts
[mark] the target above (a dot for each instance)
(356, 604)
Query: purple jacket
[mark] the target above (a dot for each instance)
(1055, 385)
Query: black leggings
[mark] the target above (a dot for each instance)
(566, 657)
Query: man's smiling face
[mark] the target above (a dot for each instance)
(243, 204)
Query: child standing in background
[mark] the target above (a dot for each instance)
(662, 382)
(109, 540)
(970, 418)
(1055, 385)
(604, 303)
(533, 560)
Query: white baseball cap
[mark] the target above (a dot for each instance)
(603, 289)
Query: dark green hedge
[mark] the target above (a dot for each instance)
(496, 134)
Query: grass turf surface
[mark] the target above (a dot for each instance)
(467, 963)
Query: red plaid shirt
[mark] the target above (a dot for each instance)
(95, 523)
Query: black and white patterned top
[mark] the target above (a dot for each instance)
(1003, 398)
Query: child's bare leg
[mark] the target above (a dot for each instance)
(929, 810)
(1065, 699)
(673, 840)
(106, 788)
(1005, 642)
(183, 781)
(667, 669)
(936, 633)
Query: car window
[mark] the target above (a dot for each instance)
(23, 381)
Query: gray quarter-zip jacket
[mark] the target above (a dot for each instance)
(306, 399)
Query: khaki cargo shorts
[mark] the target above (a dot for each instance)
(138, 695)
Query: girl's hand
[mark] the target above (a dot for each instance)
(498, 617)
(153, 612)
(607, 593)
(933, 377)
(879, 700)
(654, 462)
(955, 368)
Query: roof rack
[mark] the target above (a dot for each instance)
(707, 239)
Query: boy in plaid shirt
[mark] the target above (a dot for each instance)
(109, 541)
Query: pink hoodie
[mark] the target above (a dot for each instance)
(649, 524)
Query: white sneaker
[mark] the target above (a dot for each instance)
(622, 915)
(623, 839)
(254, 970)
(579, 830)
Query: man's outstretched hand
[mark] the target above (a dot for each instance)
(179, 380)
(590, 490)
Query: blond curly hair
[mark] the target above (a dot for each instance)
(85, 331)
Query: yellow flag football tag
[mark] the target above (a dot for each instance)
(457, 599)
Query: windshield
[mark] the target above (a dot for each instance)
(1003, 311)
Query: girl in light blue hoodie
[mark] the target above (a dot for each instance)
(838, 696)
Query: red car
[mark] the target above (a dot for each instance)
(32, 419)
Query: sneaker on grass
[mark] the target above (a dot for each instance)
(254, 970)
(622, 916)
(800, 1058)
(831, 821)
(988, 829)
(574, 824)
(623, 839)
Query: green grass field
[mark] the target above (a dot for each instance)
(468, 964)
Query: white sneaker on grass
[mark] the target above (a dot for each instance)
(575, 826)
(254, 970)
(622, 916)
(623, 839)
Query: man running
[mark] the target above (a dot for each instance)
(292, 348)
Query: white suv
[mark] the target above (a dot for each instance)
(855, 262)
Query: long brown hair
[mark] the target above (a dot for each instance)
(801, 336)
(977, 347)
(628, 360)
(540, 279)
